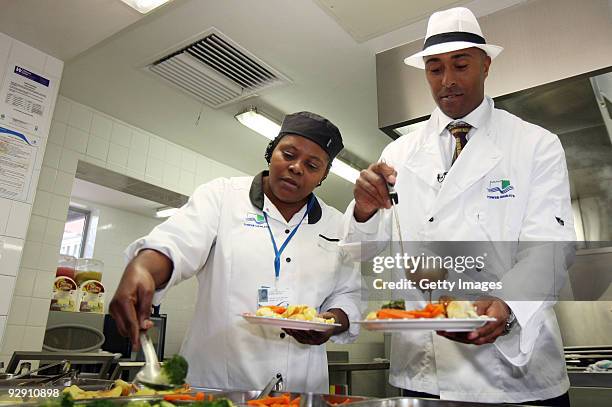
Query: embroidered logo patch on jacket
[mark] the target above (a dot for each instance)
(500, 189)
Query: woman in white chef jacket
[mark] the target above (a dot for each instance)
(228, 235)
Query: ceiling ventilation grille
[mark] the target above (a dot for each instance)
(217, 71)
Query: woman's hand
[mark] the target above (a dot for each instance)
(319, 338)
(131, 304)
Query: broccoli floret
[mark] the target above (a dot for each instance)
(399, 304)
(101, 403)
(175, 370)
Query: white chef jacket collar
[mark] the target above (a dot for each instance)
(256, 194)
(476, 118)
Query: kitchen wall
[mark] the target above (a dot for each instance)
(15, 214)
(116, 229)
(79, 132)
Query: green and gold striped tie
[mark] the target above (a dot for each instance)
(459, 131)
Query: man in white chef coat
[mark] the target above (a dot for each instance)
(473, 173)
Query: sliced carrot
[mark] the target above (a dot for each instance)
(393, 314)
(199, 396)
(277, 309)
(295, 401)
(255, 403)
(175, 397)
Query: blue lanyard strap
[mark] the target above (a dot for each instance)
(277, 252)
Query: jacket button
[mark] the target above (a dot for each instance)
(288, 259)
(287, 231)
(431, 219)
(282, 335)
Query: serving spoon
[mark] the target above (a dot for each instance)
(151, 374)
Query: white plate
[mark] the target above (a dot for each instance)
(434, 324)
(289, 323)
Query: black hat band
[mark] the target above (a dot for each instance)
(453, 36)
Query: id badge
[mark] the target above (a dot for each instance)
(278, 296)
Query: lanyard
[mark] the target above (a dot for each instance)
(277, 252)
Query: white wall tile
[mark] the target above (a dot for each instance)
(137, 161)
(76, 139)
(10, 255)
(20, 309)
(49, 255)
(155, 168)
(58, 208)
(62, 110)
(69, 161)
(24, 285)
(52, 155)
(5, 209)
(188, 161)
(202, 166)
(118, 155)
(98, 148)
(17, 224)
(6, 293)
(2, 329)
(140, 142)
(173, 154)
(46, 180)
(171, 175)
(13, 338)
(33, 336)
(43, 284)
(57, 133)
(157, 148)
(31, 255)
(54, 232)
(121, 135)
(80, 117)
(42, 203)
(36, 228)
(101, 127)
(186, 182)
(39, 310)
(63, 183)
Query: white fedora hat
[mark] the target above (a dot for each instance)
(451, 30)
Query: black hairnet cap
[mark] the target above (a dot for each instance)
(315, 128)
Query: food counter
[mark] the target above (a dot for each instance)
(238, 398)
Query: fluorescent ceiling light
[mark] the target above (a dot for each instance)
(344, 170)
(259, 123)
(269, 129)
(165, 212)
(144, 6)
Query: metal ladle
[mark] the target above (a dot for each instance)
(151, 375)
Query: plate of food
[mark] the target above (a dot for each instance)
(450, 316)
(299, 317)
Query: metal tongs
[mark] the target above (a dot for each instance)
(394, 197)
(276, 384)
(64, 363)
